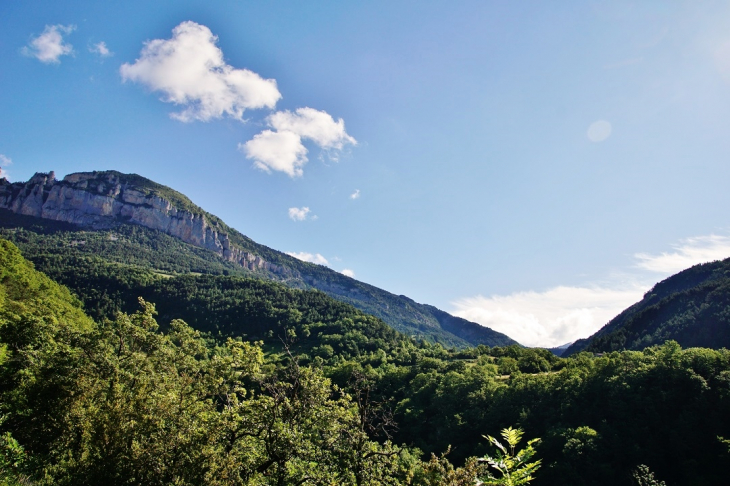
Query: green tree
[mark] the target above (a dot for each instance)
(512, 465)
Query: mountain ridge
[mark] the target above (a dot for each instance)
(690, 307)
(103, 199)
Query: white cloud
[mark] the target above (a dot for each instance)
(101, 49)
(299, 214)
(309, 257)
(691, 251)
(550, 318)
(283, 150)
(4, 162)
(280, 151)
(599, 131)
(348, 273)
(355, 195)
(318, 126)
(189, 70)
(49, 46)
(564, 313)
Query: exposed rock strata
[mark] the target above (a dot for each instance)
(102, 199)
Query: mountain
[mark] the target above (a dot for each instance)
(560, 350)
(691, 307)
(130, 219)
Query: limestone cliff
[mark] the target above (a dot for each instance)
(102, 199)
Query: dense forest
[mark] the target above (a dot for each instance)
(246, 381)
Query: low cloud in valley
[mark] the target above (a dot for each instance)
(565, 313)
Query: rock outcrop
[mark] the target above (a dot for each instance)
(103, 199)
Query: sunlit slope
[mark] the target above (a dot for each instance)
(28, 294)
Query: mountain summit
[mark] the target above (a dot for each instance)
(95, 201)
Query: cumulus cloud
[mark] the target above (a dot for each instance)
(282, 150)
(550, 318)
(315, 125)
(4, 162)
(101, 49)
(49, 46)
(355, 195)
(689, 252)
(189, 70)
(348, 273)
(299, 214)
(309, 257)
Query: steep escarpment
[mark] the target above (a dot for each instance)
(102, 201)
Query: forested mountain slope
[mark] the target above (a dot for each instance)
(131, 220)
(691, 307)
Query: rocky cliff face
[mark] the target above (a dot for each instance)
(102, 199)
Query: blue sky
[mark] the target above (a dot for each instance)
(532, 166)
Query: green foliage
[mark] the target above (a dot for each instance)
(13, 461)
(144, 407)
(438, 471)
(512, 465)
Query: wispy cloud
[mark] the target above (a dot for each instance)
(299, 214)
(282, 150)
(189, 70)
(309, 257)
(101, 49)
(348, 273)
(50, 46)
(565, 313)
(355, 195)
(689, 252)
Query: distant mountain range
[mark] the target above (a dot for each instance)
(131, 220)
(691, 307)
